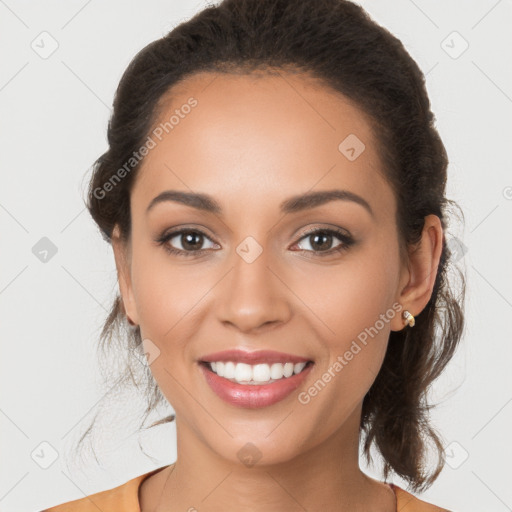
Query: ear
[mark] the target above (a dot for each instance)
(417, 281)
(123, 265)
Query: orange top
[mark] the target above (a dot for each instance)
(125, 498)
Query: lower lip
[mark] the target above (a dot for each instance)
(256, 395)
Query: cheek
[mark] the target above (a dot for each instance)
(168, 300)
(352, 297)
(354, 303)
(165, 295)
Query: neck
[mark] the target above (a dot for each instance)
(324, 477)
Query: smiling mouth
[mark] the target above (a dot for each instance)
(257, 374)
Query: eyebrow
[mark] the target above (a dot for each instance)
(293, 204)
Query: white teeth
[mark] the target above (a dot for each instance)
(288, 369)
(298, 367)
(263, 373)
(242, 372)
(255, 374)
(229, 370)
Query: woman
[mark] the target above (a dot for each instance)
(274, 193)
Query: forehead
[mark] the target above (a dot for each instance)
(250, 138)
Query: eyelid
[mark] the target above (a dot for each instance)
(169, 234)
(345, 238)
(324, 228)
(341, 234)
(176, 230)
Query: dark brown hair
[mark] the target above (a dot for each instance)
(338, 44)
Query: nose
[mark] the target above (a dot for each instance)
(253, 296)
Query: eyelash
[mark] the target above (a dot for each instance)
(347, 241)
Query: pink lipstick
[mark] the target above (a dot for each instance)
(254, 379)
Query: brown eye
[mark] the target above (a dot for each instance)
(321, 241)
(189, 242)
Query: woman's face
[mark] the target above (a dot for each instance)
(261, 282)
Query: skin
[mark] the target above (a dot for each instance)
(252, 142)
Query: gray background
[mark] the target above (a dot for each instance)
(55, 110)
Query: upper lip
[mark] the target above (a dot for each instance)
(255, 357)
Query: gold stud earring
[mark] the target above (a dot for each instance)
(408, 318)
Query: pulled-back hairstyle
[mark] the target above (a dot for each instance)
(337, 43)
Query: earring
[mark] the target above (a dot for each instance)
(408, 318)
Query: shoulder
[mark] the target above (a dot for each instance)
(123, 498)
(406, 502)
